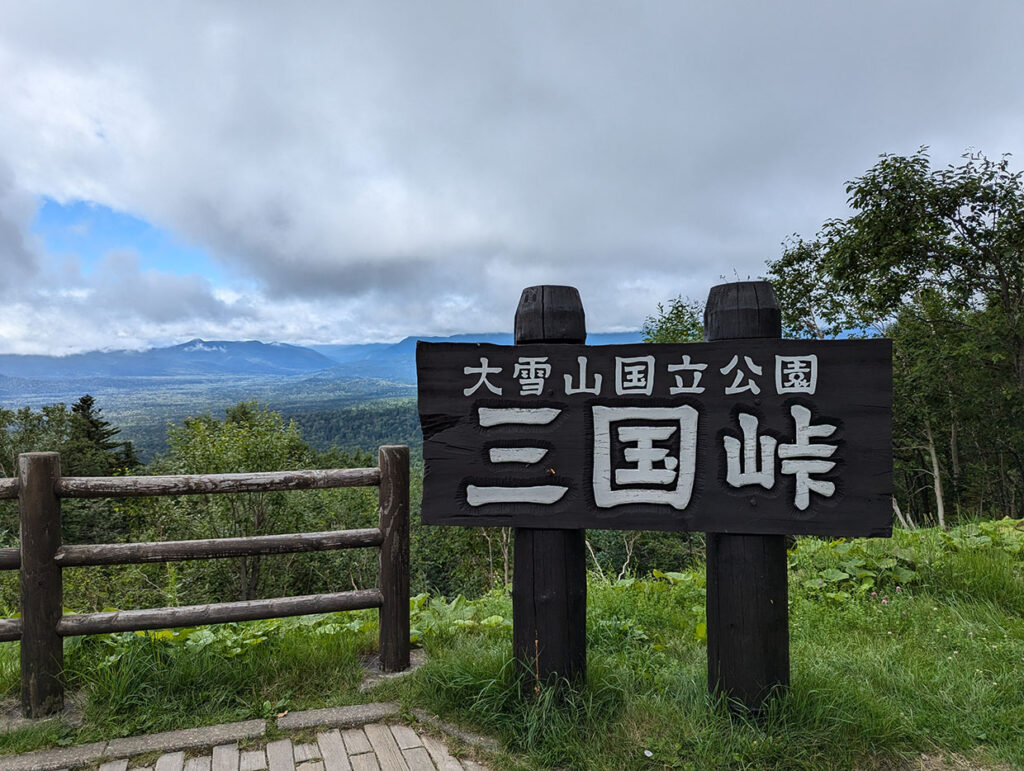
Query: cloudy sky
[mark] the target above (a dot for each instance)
(348, 172)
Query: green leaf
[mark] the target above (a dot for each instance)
(834, 575)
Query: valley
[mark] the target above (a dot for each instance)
(349, 396)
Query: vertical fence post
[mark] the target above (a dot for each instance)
(394, 557)
(42, 651)
(747, 593)
(549, 581)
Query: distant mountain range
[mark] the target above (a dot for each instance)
(395, 362)
(345, 395)
(196, 357)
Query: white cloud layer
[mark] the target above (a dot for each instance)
(368, 170)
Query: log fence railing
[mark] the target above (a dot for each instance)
(41, 557)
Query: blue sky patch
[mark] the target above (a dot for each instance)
(90, 231)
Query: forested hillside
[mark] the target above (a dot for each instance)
(245, 437)
(345, 395)
(364, 426)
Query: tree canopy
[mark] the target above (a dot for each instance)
(934, 259)
(680, 322)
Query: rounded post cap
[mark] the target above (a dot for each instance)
(550, 314)
(742, 309)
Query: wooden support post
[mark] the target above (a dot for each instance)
(747, 612)
(549, 583)
(42, 651)
(394, 557)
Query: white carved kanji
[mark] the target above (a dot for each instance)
(483, 371)
(796, 374)
(645, 455)
(531, 374)
(657, 475)
(488, 417)
(744, 465)
(738, 386)
(680, 387)
(634, 375)
(803, 458)
(583, 388)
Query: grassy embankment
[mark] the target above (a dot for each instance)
(899, 647)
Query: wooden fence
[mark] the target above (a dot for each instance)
(41, 556)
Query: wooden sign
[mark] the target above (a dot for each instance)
(738, 436)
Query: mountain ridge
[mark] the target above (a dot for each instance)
(211, 358)
(141, 392)
(194, 357)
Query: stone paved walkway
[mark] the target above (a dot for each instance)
(346, 739)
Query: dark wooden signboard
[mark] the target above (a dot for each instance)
(761, 436)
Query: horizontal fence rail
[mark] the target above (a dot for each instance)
(216, 613)
(213, 548)
(200, 484)
(10, 629)
(41, 557)
(10, 559)
(9, 487)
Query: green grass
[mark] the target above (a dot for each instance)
(129, 684)
(899, 647)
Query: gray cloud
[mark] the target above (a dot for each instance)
(152, 296)
(19, 259)
(432, 159)
(118, 305)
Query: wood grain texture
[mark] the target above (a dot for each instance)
(578, 436)
(170, 551)
(10, 629)
(332, 750)
(356, 742)
(225, 757)
(549, 579)
(216, 613)
(195, 484)
(41, 559)
(747, 589)
(549, 606)
(279, 755)
(305, 751)
(171, 761)
(394, 557)
(385, 747)
(406, 737)
(10, 559)
(418, 759)
(42, 650)
(440, 755)
(550, 314)
(8, 487)
(365, 762)
(252, 760)
(742, 310)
